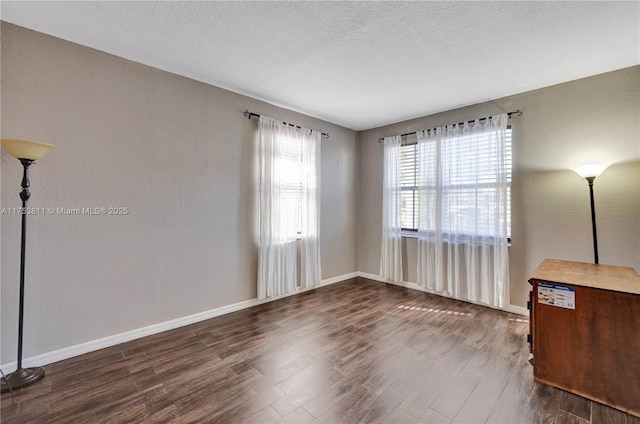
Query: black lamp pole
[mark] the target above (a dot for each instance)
(22, 376)
(589, 172)
(593, 219)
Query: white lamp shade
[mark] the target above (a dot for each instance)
(23, 149)
(590, 169)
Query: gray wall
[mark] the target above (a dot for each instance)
(595, 119)
(176, 152)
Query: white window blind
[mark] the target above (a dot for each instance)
(469, 178)
(290, 176)
(408, 180)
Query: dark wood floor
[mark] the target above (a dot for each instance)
(354, 352)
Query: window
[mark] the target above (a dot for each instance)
(409, 185)
(466, 190)
(288, 164)
(290, 179)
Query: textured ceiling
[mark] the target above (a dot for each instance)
(357, 64)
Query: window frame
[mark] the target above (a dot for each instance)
(413, 232)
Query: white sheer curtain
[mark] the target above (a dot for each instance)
(462, 211)
(310, 270)
(391, 252)
(289, 204)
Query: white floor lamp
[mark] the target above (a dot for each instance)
(26, 152)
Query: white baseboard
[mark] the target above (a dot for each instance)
(510, 308)
(518, 310)
(372, 277)
(90, 346)
(82, 348)
(338, 279)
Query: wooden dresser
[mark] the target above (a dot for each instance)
(585, 331)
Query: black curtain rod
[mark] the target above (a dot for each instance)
(516, 112)
(250, 114)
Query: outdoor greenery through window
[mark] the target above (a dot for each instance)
(466, 189)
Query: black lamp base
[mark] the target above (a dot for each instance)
(21, 378)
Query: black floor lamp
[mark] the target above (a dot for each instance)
(26, 152)
(589, 172)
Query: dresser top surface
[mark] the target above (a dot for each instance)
(606, 277)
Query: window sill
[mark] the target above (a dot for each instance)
(414, 234)
(409, 234)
